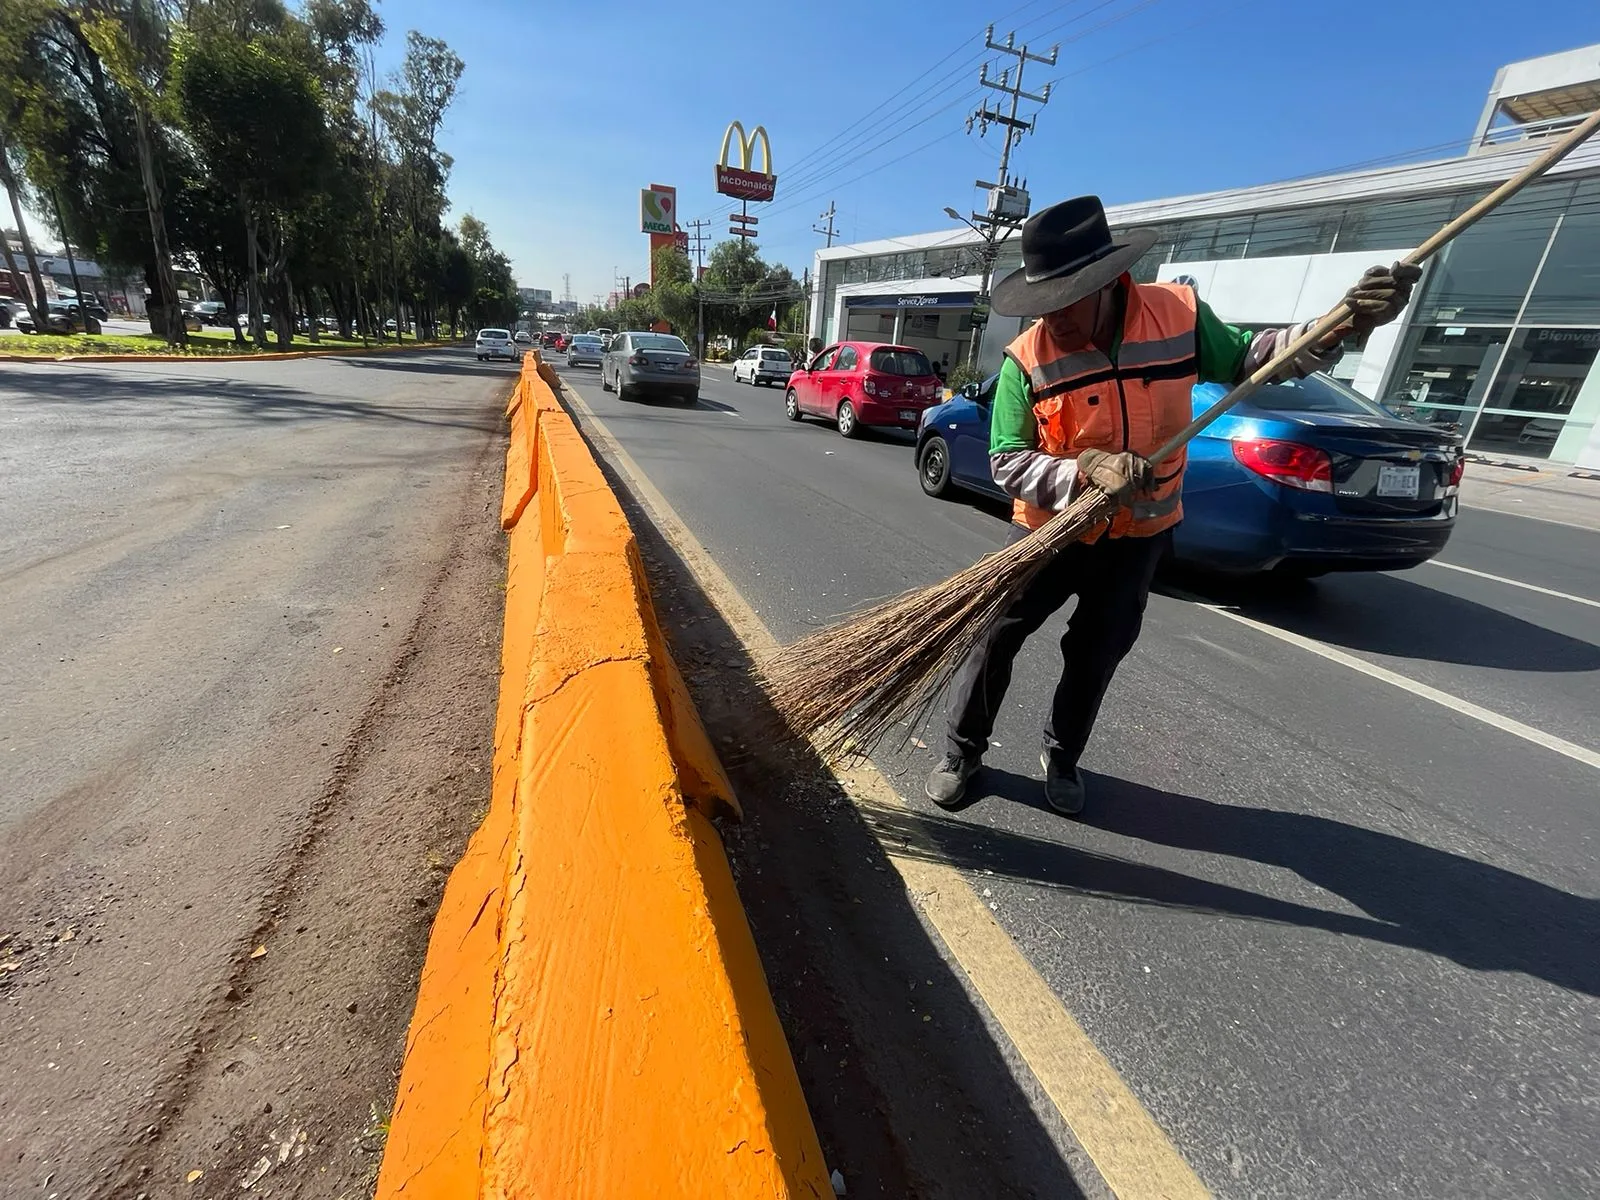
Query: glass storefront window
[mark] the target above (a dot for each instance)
(1448, 370)
(1205, 240)
(1395, 223)
(1567, 291)
(1543, 373)
(1303, 231)
(1484, 274)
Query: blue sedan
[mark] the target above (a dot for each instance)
(1309, 477)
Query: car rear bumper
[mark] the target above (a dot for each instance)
(581, 360)
(889, 414)
(1246, 537)
(499, 352)
(660, 381)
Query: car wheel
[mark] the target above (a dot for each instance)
(791, 405)
(846, 419)
(933, 466)
(605, 383)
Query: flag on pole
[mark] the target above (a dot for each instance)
(772, 321)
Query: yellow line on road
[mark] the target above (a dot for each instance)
(1132, 1153)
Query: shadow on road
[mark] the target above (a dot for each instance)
(909, 1091)
(1480, 916)
(238, 398)
(439, 362)
(1384, 613)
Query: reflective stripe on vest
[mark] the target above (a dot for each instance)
(1082, 400)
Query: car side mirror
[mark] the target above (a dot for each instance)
(971, 391)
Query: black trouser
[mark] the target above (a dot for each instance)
(1111, 578)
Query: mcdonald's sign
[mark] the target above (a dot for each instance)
(742, 182)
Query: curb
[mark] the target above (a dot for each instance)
(285, 356)
(592, 1020)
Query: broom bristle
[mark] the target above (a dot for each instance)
(845, 688)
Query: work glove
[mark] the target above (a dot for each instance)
(1117, 475)
(1377, 298)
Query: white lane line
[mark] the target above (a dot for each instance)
(1532, 587)
(1466, 708)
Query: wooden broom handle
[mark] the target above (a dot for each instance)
(1268, 371)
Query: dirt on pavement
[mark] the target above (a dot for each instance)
(289, 1088)
(252, 618)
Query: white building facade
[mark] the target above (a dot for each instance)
(1502, 336)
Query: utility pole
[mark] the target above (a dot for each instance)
(698, 238)
(828, 232)
(1008, 198)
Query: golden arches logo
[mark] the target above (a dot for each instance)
(741, 181)
(747, 147)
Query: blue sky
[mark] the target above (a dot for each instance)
(563, 116)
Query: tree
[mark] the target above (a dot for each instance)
(674, 293)
(256, 118)
(741, 290)
(133, 50)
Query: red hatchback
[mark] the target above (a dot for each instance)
(857, 384)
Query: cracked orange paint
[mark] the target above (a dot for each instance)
(592, 1020)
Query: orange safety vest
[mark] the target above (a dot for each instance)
(1081, 400)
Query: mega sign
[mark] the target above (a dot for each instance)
(742, 182)
(658, 209)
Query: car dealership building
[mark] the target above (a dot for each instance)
(1502, 336)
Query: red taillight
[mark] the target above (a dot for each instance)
(1288, 463)
(1458, 470)
(638, 360)
(869, 387)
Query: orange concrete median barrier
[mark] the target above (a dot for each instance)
(592, 1020)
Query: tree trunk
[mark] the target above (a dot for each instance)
(283, 312)
(72, 262)
(166, 282)
(38, 304)
(252, 290)
(313, 316)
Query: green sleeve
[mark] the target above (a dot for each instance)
(1011, 424)
(1219, 347)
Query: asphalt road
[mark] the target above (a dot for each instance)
(1340, 937)
(213, 579)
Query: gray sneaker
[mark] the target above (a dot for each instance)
(947, 783)
(1062, 789)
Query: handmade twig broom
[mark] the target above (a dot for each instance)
(846, 687)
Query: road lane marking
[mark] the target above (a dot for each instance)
(1532, 587)
(1133, 1154)
(1466, 708)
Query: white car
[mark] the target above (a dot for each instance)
(523, 338)
(585, 348)
(497, 343)
(763, 364)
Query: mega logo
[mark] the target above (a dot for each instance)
(657, 209)
(742, 182)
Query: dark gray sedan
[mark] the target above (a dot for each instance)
(641, 364)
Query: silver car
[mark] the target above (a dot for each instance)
(638, 364)
(585, 348)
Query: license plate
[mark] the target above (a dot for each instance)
(1398, 481)
(908, 414)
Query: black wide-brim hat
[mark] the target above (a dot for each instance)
(1067, 253)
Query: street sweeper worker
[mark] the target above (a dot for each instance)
(1088, 392)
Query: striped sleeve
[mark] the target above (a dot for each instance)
(1034, 477)
(1022, 470)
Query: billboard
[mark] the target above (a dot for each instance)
(658, 209)
(742, 182)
